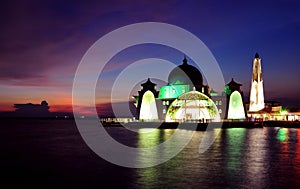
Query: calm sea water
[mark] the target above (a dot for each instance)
(51, 153)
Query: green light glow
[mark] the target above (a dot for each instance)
(227, 90)
(192, 106)
(213, 94)
(173, 91)
(148, 107)
(282, 134)
(235, 138)
(148, 137)
(136, 98)
(236, 108)
(283, 112)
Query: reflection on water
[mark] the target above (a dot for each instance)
(53, 153)
(255, 158)
(152, 137)
(297, 158)
(234, 150)
(282, 134)
(239, 157)
(160, 145)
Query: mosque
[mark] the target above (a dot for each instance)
(185, 98)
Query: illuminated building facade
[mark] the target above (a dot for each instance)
(256, 91)
(146, 101)
(235, 101)
(259, 109)
(184, 98)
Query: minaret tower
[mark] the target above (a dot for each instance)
(256, 92)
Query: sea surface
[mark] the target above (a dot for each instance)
(51, 154)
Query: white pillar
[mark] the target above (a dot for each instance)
(256, 92)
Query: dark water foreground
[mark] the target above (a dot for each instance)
(51, 153)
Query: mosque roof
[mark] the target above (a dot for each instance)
(148, 83)
(185, 74)
(233, 83)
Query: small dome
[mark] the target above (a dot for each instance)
(185, 74)
(44, 103)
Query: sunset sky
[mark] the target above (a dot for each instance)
(42, 43)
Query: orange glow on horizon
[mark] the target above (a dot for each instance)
(59, 100)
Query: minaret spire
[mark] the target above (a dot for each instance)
(184, 60)
(256, 91)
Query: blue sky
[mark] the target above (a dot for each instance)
(42, 43)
